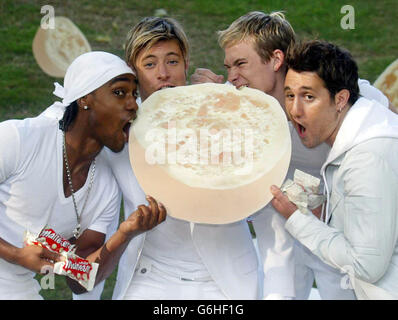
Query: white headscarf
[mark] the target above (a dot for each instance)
(86, 73)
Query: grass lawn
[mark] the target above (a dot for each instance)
(26, 90)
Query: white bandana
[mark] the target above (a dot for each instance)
(86, 73)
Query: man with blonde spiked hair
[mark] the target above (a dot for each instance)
(255, 46)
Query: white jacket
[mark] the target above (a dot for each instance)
(237, 276)
(226, 250)
(361, 180)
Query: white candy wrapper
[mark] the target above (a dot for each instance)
(308, 182)
(78, 269)
(303, 191)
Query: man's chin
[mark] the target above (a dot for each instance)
(118, 148)
(308, 144)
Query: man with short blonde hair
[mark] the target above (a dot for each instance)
(150, 31)
(268, 31)
(146, 53)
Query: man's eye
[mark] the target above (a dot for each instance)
(118, 93)
(149, 65)
(289, 95)
(309, 97)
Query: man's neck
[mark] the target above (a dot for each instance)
(278, 92)
(80, 146)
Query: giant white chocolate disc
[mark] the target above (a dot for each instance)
(210, 152)
(387, 82)
(55, 49)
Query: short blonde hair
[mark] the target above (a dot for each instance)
(268, 31)
(150, 31)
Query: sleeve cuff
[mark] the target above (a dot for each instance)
(98, 228)
(297, 221)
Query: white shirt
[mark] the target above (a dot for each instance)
(171, 249)
(31, 189)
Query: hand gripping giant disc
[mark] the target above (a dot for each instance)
(387, 82)
(210, 152)
(55, 48)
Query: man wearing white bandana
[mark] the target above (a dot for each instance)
(358, 230)
(52, 173)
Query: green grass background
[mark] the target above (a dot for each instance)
(25, 90)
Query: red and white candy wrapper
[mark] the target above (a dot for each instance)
(73, 266)
(50, 240)
(78, 269)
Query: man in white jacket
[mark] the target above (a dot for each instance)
(358, 230)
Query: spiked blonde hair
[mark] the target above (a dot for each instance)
(268, 31)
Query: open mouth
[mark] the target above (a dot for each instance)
(243, 86)
(301, 130)
(126, 130)
(165, 87)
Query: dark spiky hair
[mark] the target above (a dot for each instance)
(335, 66)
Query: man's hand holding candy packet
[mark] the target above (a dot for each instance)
(303, 191)
(78, 269)
(50, 240)
(73, 266)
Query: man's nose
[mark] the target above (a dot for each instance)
(294, 108)
(132, 103)
(233, 75)
(163, 72)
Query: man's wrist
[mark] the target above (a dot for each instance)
(15, 255)
(119, 238)
(297, 211)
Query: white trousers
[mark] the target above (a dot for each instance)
(20, 290)
(149, 283)
(329, 281)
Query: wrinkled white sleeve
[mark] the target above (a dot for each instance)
(9, 150)
(276, 253)
(106, 221)
(133, 195)
(367, 242)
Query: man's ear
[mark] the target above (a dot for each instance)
(341, 99)
(83, 101)
(278, 58)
